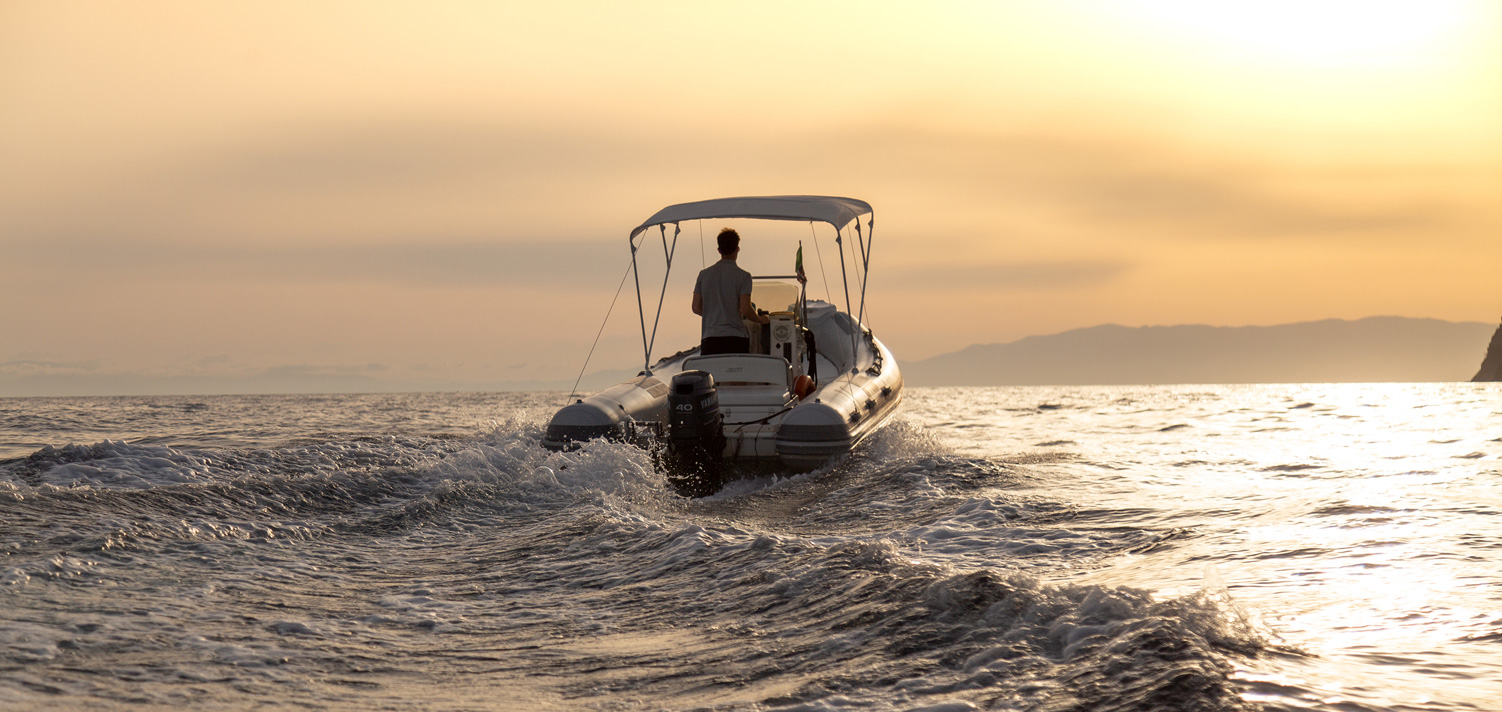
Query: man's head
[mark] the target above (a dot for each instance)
(730, 242)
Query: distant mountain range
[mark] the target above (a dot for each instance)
(1377, 349)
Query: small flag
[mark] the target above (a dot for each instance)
(798, 264)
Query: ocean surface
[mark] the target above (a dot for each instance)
(1286, 547)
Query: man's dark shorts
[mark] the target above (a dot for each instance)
(725, 345)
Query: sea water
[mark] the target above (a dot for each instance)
(1286, 547)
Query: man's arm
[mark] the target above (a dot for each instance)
(698, 304)
(749, 312)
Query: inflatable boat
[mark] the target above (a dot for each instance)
(816, 383)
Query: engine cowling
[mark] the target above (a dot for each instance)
(696, 435)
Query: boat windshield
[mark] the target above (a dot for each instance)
(774, 294)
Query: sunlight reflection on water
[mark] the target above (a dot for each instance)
(1356, 519)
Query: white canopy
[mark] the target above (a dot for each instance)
(835, 211)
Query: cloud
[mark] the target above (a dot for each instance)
(1102, 183)
(434, 180)
(27, 367)
(413, 263)
(1012, 276)
(418, 155)
(1205, 204)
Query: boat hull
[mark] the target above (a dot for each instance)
(798, 435)
(626, 411)
(840, 415)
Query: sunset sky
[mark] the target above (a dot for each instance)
(441, 192)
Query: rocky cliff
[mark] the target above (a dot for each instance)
(1491, 366)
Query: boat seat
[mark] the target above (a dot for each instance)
(744, 369)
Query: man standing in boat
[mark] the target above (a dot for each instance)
(722, 296)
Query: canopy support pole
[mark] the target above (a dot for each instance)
(661, 298)
(865, 261)
(820, 253)
(641, 313)
(846, 281)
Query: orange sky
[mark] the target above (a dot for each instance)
(442, 191)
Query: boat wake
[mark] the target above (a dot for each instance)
(365, 570)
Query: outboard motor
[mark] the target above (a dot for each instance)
(696, 436)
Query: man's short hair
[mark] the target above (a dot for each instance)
(730, 242)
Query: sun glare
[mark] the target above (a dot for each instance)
(1329, 33)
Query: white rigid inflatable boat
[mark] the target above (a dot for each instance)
(816, 383)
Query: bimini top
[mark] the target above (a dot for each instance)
(835, 211)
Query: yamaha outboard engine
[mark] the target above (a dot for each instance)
(696, 438)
